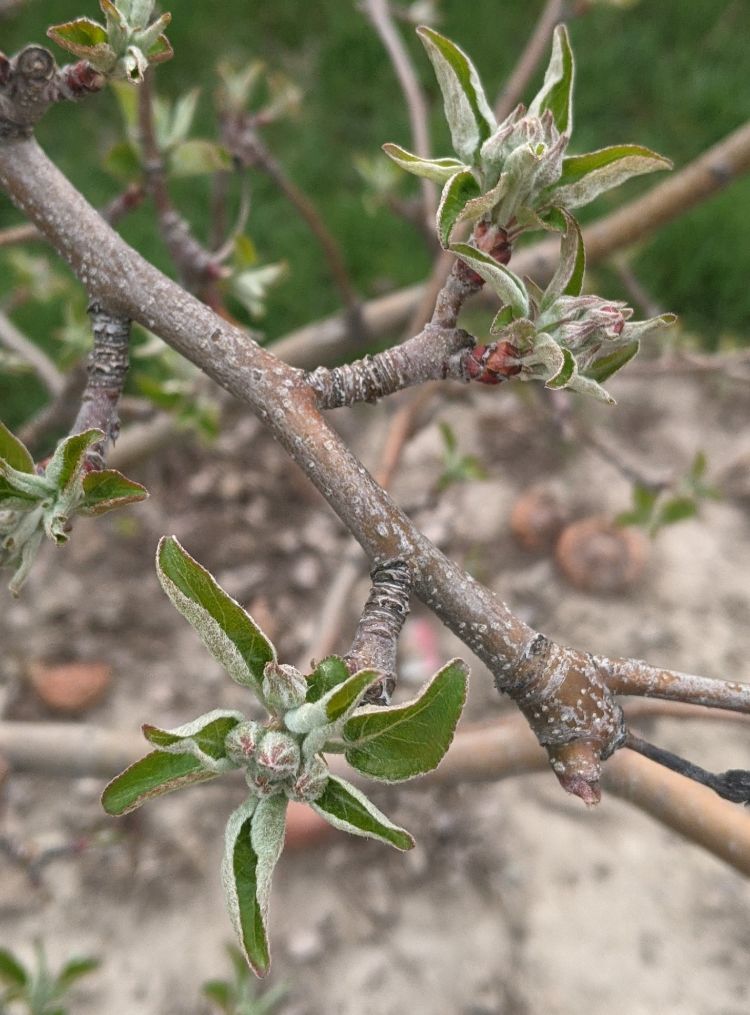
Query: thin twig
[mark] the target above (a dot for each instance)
(733, 785)
(107, 370)
(380, 14)
(242, 139)
(15, 340)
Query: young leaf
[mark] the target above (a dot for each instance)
(457, 193)
(439, 170)
(566, 372)
(198, 157)
(156, 774)
(505, 283)
(11, 971)
(467, 111)
(66, 463)
(605, 366)
(344, 807)
(677, 509)
(254, 839)
(400, 742)
(109, 489)
(556, 93)
(14, 451)
(79, 37)
(584, 177)
(230, 635)
(335, 704)
(329, 673)
(203, 738)
(75, 969)
(568, 278)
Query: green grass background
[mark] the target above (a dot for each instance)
(666, 73)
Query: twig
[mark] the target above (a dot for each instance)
(733, 785)
(107, 369)
(13, 338)
(198, 267)
(241, 138)
(531, 56)
(379, 13)
(633, 676)
(376, 638)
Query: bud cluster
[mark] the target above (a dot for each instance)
(274, 759)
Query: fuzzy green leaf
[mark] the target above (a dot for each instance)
(79, 36)
(253, 842)
(604, 367)
(458, 191)
(228, 632)
(109, 489)
(467, 111)
(14, 451)
(203, 738)
(156, 774)
(160, 51)
(505, 283)
(439, 170)
(556, 93)
(334, 705)
(65, 466)
(400, 742)
(585, 177)
(329, 673)
(344, 807)
(566, 372)
(568, 278)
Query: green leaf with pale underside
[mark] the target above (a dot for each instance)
(505, 283)
(439, 170)
(343, 806)
(109, 489)
(228, 632)
(568, 277)
(65, 466)
(556, 93)
(253, 842)
(329, 673)
(400, 742)
(467, 111)
(156, 774)
(457, 193)
(585, 177)
(333, 705)
(203, 738)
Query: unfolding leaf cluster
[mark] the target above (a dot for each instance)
(283, 755)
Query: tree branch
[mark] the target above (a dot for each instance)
(561, 691)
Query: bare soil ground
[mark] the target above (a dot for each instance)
(516, 900)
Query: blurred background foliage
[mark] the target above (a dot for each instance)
(665, 73)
